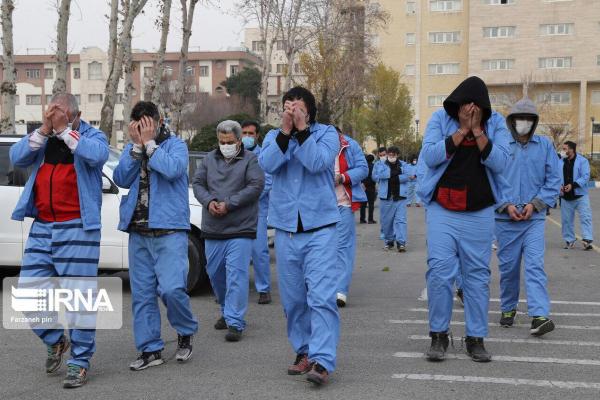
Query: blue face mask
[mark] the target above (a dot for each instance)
(248, 142)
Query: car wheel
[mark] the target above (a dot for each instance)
(197, 277)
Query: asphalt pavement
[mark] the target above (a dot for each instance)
(380, 356)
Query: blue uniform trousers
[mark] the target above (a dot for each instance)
(158, 266)
(308, 279)
(459, 242)
(393, 220)
(260, 257)
(518, 241)
(567, 212)
(346, 248)
(62, 249)
(227, 263)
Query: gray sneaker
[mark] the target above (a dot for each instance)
(76, 376)
(55, 354)
(146, 360)
(184, 348)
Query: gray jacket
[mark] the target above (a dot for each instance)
(239, 184)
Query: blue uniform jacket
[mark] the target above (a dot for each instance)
(358, 169)
(302, 179)
(532, 173)
(263, 201)
(381, 175)
(433, 153)
(581, 174)
(169, 206)
(90, 155)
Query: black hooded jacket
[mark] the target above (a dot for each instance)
(471, 90)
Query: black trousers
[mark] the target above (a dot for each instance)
(371, 196)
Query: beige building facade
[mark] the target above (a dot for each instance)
(547, 49)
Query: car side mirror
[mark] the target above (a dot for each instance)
(108, 186)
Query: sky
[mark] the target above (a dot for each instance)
(215, 27)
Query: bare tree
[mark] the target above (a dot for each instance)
(290, 26)
(128, 88)
(131, 9)
(8, 90)
(112, 31)
(164, 24)
(187, 14)
(64, 11)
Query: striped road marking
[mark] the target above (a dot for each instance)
(461, 323)
(502, 381)
(527, 341)
(535, 360)
(557, 314)
(577, 303)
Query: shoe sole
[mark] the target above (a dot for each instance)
(74, 385)
(480, 360)
(264, 302)
(340, 303)
(61, 359)
(314, 379)
(296, 373)
(184, 359)
(153, 363)
(541, 330)
(233, 339)
(435, 357)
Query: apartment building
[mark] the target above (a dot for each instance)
(88, 71)
(548, 49)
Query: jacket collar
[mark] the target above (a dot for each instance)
(532, 138)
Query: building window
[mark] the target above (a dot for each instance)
(78, 98)
(17, 100)
(32, 73)
(498, 2)
(168, 71)
(119, 98)
(148, 72)
(598, 61)
(76, 73)
(411, 38)
(94, 71)
(555, 62)
(443, 69)
(562, 98)
(95, 98)
(499, 31)
(444, 37)
(258, 45)
(557, 29)
(436, 100)
(204, 71)
(119, 125)
(48, 98)
(94, 123)
(189, 71)
(297, 69)
(281, 68)
(233, 69)
(500, 99)
(445, 5)
(410, 69)
(48, 73)
(498, 64)
(33, 99)
(280, 44)
(596, 129)
(411, 6)
(595, 96)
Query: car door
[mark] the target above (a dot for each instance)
(113, 240)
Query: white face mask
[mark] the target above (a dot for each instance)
(392, 159)
(523, 126)
(228, 150)
(382, 158)
(563, 154)
(414, 163)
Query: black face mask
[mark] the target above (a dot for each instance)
(163, 134)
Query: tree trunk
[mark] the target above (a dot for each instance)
(128, 88)
(8, 89)
(131, 10)
(159, 65)
(292, 34)
(179, 98)
(112, 33)
(62, 54)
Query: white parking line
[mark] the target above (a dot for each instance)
(575, 303)
(526, 341)
(493, 325)
(557, 314)
(555, 222)
(534, 360)
(502, 381)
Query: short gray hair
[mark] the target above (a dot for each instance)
(230, 126)
(68, 99)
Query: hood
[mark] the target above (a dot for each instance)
(474, 90)
(524, 107)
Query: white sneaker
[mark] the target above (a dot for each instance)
(341, 300)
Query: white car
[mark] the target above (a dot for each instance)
(113, 247)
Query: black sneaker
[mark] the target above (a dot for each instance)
(221, 325)
(233, 335)
(340, 300)
(476, 350)
(388, 245)
(461, 296)
(76, 376)
(184, 348)
(317, 375)
(146, 360)
(401, 247)
(541, 325)
(362, 221)
(569, 245)
(55, 354)
(587, 245)
(439, 345)
(508, 318)
(264, 298)
(372, 222)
